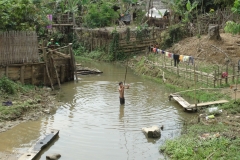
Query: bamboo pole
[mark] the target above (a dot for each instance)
(46, 64)
(226, 79)
(219, 82)
(55, 68)
(195, 87)
(214, 78)
(233, 77)
(73, 61)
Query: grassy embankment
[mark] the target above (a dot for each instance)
(217, 138)
(20, 99)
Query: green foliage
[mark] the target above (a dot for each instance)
(128, 34)
(232, 107)
(142, 32)
(232, 27)
(22, 15)
(174, 34)
(10, 87)
(114, 46)
(224, 3)
(100, 15)
(189, 146)
(7, 86)
(236, 6)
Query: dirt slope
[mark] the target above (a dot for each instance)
(203, 49)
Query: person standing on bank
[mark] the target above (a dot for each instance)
(121, 92)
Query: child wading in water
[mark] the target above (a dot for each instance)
(121, 92)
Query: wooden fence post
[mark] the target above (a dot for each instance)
(220, 81)
(190, 73)
(44, 75)
(214, 81)
(196, 69)
(22, 74)
(207, 78)
(32, 74)
(226, 79)
(177, 70)
(6, 72)
(233, 73)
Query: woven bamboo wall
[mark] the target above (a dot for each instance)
(18, 47)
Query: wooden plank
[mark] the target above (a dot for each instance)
(181, 101)
(37, 148)
(207, 103)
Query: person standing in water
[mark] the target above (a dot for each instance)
(121, 92)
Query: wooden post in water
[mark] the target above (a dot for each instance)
(46, 64)
(55, 68)
(73, 61)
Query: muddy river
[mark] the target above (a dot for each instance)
(94, 126)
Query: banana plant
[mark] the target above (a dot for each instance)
(190, 7)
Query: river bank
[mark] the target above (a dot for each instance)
(201, 138)
(21, 103)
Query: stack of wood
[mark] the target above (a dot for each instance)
(86, 71)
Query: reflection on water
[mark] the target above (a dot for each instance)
(93, 125)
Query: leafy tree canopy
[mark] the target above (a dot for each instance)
(234, 27)
(22, 14)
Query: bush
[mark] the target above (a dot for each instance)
(100, 15)
(7, 86)
(174, 34)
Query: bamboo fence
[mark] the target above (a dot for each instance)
(18, 47)
(195, 72)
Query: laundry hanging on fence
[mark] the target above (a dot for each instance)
(224, 75)
(154, 50)
(191, 60)
(186, 58)
(176, 59)
(181, 57)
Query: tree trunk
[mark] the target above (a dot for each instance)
(213, 32)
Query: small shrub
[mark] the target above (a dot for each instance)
(7, 86)
(174, 34)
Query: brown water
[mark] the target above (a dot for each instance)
(92, 124)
